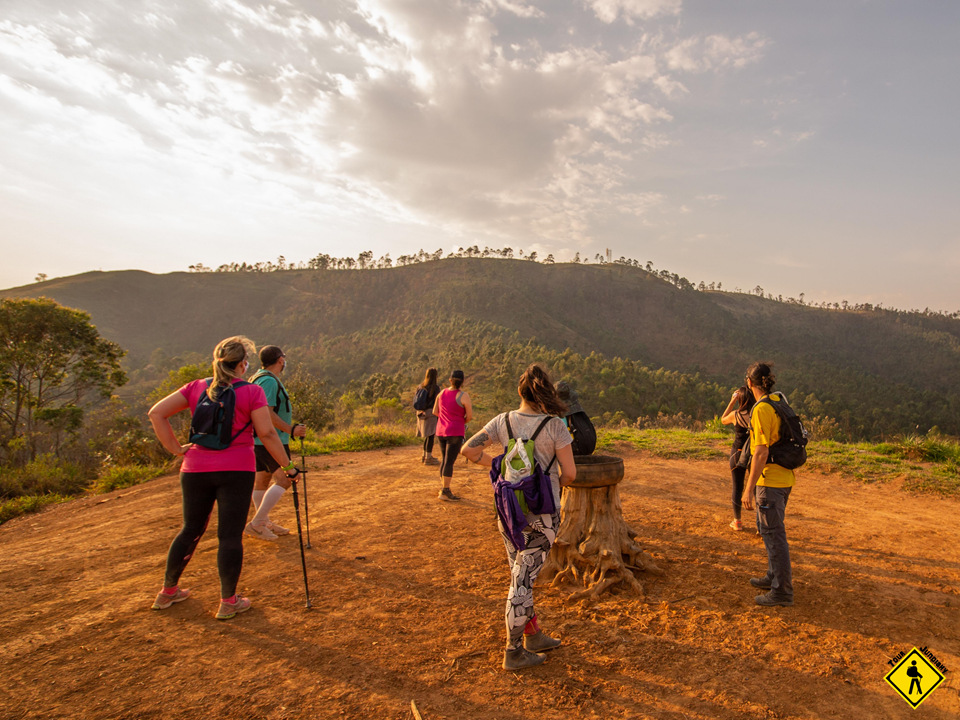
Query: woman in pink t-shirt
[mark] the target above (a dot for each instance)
(453, 410)
(222, 476)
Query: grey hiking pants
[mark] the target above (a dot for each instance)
(771, 508)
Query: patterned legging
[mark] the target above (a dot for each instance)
(525, 565)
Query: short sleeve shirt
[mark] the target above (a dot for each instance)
(553, 437)
(239, 457)
(765, 430)
(271, 388)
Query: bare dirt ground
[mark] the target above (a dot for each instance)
(408, 595)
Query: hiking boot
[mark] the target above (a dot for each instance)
(763, 583)
(771, 600)
(431, 460)
(521, 658)
(228, 610)
(261, 533)
(164, 601)
(447, 494)
(276, 529)
(539, 642)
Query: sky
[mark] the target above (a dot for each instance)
(803, 147)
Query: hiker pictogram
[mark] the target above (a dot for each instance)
(914, 677)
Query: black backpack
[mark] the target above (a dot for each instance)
(790, 451)
(212, 423)
(583, 433)
(422, 399)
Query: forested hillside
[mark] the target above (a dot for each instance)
(608, 329)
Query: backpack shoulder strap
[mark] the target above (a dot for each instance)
(261, 373)
(506, 419)
(540, 427)
(781, 413)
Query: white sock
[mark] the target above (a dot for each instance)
(270, 499)
(258, 498)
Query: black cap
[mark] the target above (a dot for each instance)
(457, 375)
(269, 355)
(569, 397)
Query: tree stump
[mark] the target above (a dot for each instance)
(595, 547)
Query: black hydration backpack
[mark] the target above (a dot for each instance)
(421, 400)
(583, 433)
(212, 423)
(790, 451)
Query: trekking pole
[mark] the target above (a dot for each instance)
(306, 505)
(303, 558)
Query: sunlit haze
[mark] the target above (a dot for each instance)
(804, 147)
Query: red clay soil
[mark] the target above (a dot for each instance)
(408, 597)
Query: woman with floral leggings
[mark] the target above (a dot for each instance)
(528, 541)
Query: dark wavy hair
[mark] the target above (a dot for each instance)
(761, 375)
(535, 387)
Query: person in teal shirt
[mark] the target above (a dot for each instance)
(265, 497)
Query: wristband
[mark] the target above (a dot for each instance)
(289, 467)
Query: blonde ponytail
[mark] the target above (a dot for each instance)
(227, 356)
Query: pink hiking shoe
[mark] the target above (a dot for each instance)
(228, 610)
(164, 600)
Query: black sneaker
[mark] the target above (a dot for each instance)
(771, 600)
(447, 494)
(761, 583)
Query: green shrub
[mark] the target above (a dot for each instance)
(10, 509)
(43, 476)
(122, 476)
(371, 437)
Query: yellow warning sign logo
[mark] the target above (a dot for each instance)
(914, 677)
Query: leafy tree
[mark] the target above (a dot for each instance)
(175, 380)
(53, 364)
(311, 403)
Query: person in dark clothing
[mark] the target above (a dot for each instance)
(738, 415)
(581, 428)
(426, 420)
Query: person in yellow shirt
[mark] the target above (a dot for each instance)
(768, 486)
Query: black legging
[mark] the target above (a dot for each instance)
(428, 443)
(231, 491)
(450, 447)
(737, 473)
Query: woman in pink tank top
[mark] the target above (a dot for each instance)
(453, 410)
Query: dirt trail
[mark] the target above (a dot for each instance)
(408, 595)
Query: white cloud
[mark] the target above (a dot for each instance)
(715, 52)
(411, 110)
(609, 10)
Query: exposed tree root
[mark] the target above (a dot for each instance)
(595, 547)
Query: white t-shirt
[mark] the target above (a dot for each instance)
(553, 437)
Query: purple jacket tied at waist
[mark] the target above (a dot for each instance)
(537, 491)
